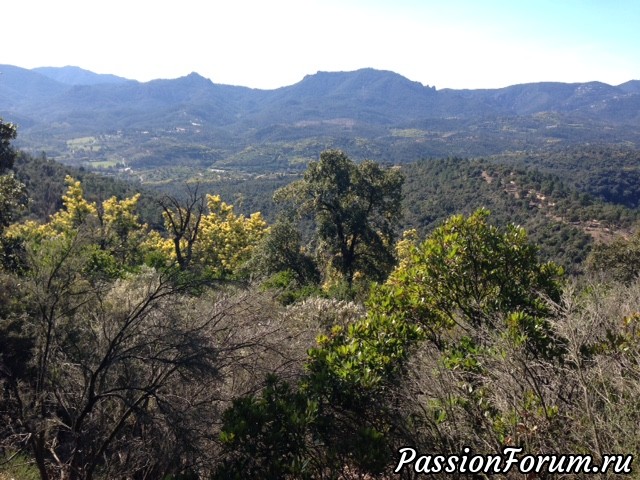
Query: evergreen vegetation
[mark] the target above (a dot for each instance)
(181, 339)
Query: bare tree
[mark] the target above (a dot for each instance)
(126, 378)
(182, 219)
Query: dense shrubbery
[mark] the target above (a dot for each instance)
(471, 342)
(216, 346)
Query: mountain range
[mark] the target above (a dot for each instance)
(80, 117)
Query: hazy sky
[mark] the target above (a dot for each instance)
(273, 43)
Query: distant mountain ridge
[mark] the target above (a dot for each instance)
(373, 113)
(78, 76)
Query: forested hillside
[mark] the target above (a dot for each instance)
(567, 201)
(562, 217)
(103, 122)
(44, 182)
(168, 334)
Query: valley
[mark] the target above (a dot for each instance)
(113, 124)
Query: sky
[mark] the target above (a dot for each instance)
(273, 43)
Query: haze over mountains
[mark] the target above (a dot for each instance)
(370, 113)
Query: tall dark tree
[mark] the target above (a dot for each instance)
(281, 250)
(356, 208)
(12, 192)
(7, 152)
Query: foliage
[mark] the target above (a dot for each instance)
(119, 361)
(226, 239)
(281, 250)
(271, 432)
(17, 466)
(12, 192)
(123, 233)
(605, 171)
(111, 235)
(461, 281)
(470, 268)
(338, 412)
(115, 366)
(204, 234)
(102, 358)
(8, 133)
(561, 218)
(619, 260)
(356, 209)
(12, 200)
(287, 287)
(352, 364)
(564, 225)
(45, 184)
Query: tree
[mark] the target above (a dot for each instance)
(12, 192)
(8, 133)
(108, 367)
(182, 221)
(114, 238)
(474, 292)
(271, 433)
(205, 233)
(469, 294)
(226, 239)
(619, 260)
(122, 233)
(356, 210)
(281, 251)
(469, 273)
(12, 199)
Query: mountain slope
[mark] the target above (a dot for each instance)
(371, 113)
(78, 76)
(379, 97)
(20, 89)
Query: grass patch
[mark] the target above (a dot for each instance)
(19, 467)
(84, 144)
(104, 163)
(408, 133)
